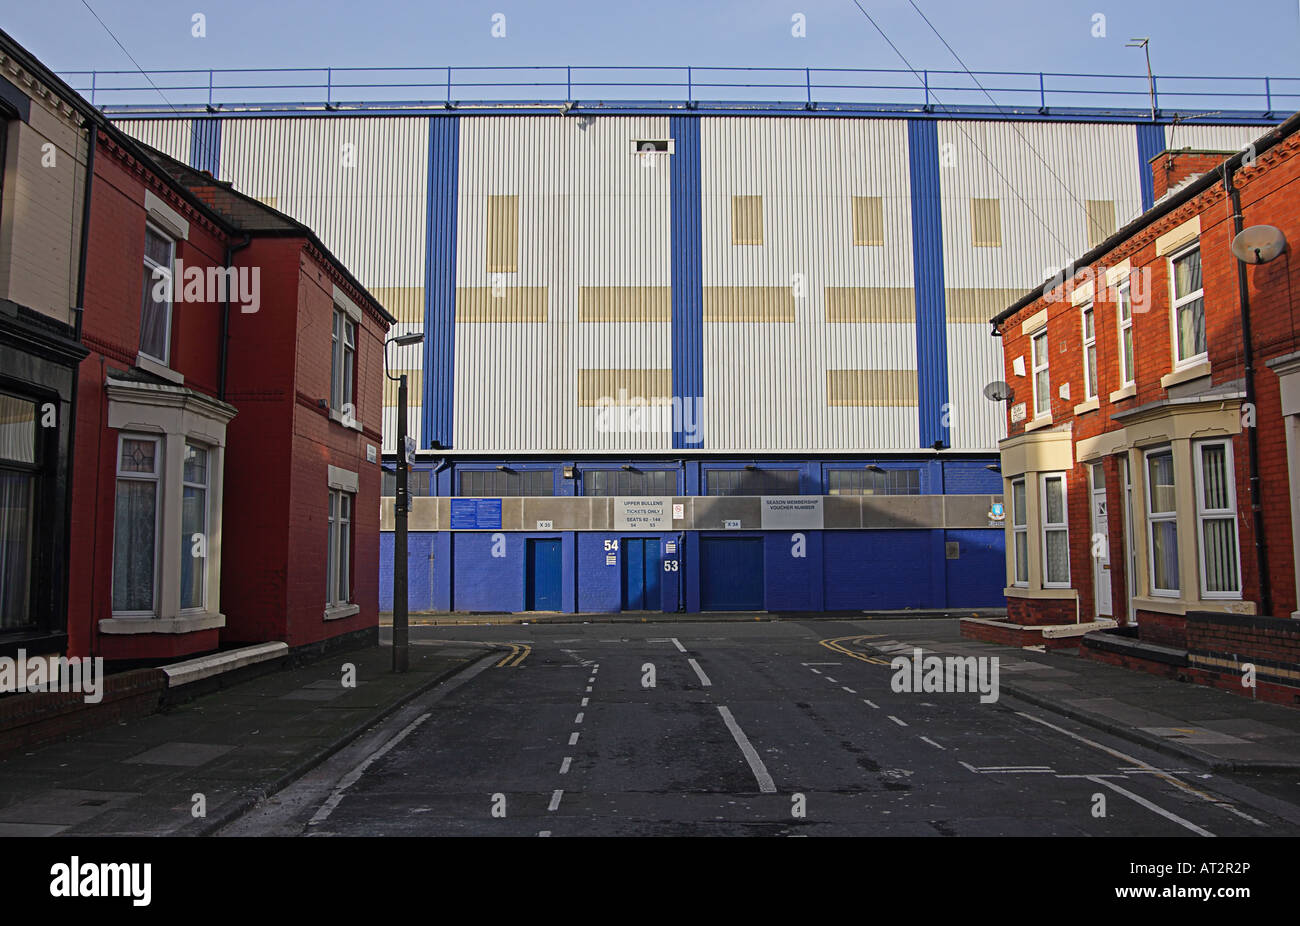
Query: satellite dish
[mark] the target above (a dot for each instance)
(997, 391)
(1259, 244)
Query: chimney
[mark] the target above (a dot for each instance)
(1169, 169)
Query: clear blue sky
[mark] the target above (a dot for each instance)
(1191, 36)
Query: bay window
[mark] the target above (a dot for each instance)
(1216, 520)
(194, 527)
(18, 486)
(1162, 522)
(1056, 537)
(135, 523)
(1020, 531)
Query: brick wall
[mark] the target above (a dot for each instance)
(1170, 168)
(33, 718)
(1270, 193)
(1040, 611)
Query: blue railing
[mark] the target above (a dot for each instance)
(1043, 92)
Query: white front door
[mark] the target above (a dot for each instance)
(1100, 543)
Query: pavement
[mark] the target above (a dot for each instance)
(218, 754)
(1224, 731)
(476, 618)
(200, 767)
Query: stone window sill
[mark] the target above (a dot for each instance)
(339, 612)
(1019, 591)
(337, 416)
(1041, 421)
(186, 623)
(1125, 393)
(149, 365)
(1195, 371)
(1089, 406)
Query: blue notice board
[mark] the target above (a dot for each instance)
(471, 514)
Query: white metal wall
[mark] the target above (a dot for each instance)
(360, 184)
(590, 213)
(765, 383)
(170, 136)
(1042, 174)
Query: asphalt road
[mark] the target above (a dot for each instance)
(748, 729)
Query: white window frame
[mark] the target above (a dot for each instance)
(153, 267)
(1019, 533)
(187, 542)
(1152, 518)
(1088, 319)
(1124, 302)
(1175, 302)
(158, 478)
(1036, 368)
(343, 347)
(1052, 527)
(1216, 514)
(339, 554)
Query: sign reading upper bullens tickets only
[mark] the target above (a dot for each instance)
(643, 514)
(476, 514)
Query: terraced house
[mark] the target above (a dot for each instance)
(1152, 464)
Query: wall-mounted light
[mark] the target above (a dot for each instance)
(750, 466)
(628, 467)
(569, 472)
(504, 469)
(874, 468)
(993, 468)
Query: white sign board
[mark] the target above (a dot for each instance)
(1018, 413)
(679, 512)
(792, 512)
(731, 525)
(642, 514)
(546, 525)
(371, 456)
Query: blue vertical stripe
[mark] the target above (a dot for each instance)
(205, 145)
(687, 275)
(440, 280)
(1150, 142)
(927, 276)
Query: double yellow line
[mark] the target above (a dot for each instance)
(518, 652)
(837, 645)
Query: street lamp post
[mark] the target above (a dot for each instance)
(401, 508)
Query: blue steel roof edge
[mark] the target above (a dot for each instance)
(681, 108)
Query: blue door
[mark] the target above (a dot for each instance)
(543, 587)
(731, 573)
(641, 574)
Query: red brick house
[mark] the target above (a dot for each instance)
(1152, 464)
(226, 423)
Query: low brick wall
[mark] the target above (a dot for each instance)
(33, 718)
(1162, 629)
(1222, 643)
(1036, 612)
(1015, 636)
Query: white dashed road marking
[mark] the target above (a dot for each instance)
(704, 679)
(765, 783)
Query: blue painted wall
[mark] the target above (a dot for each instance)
(793, 583)
(927, 275)
(205, 146)
(842, 570)
(440, 280)
(687, 270)
(1150, 142)
(420, 570)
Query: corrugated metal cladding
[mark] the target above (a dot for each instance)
(1042, 176)
(782, 315)
(173, 137)
(360, 184)
(763, 263)
(589, 219)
